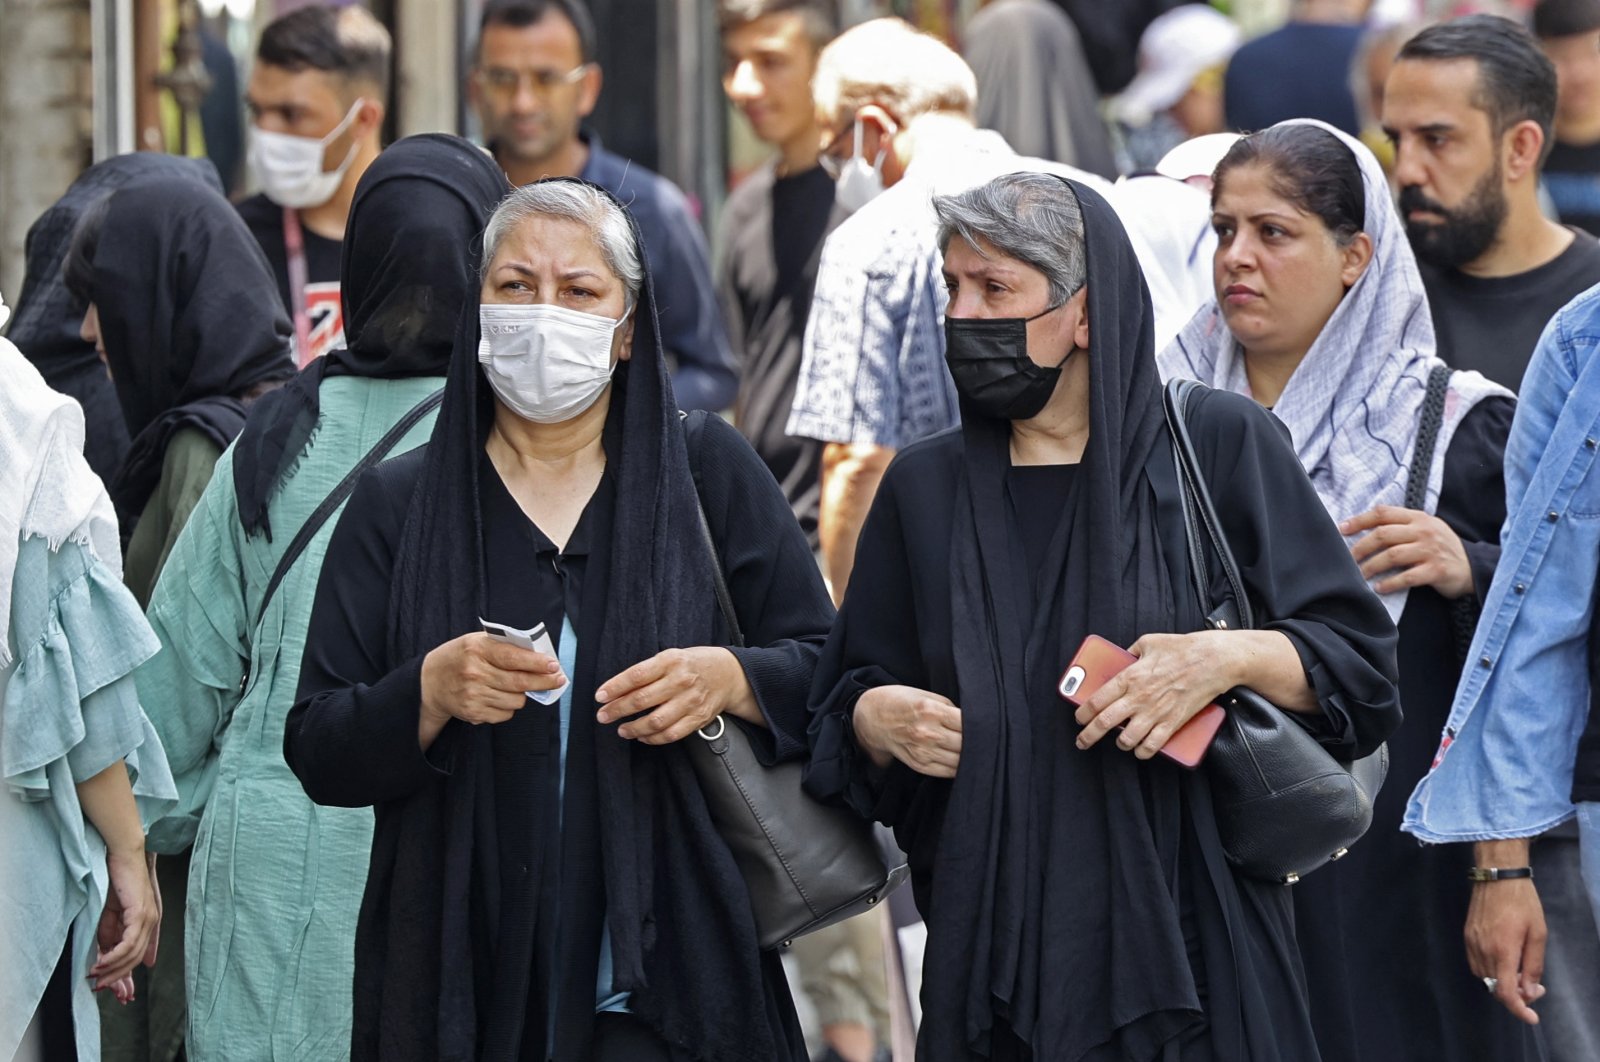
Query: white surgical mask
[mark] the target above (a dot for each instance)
(547, 363)
(860, 182)
(289, 168)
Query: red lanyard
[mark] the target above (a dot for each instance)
(294, 242)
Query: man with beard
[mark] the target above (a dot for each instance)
(1469, 107)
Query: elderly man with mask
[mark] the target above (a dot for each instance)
(316, 100)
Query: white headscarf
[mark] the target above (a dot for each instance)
(1353, 405)
(46, 488)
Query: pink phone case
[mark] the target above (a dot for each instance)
(1098, 660)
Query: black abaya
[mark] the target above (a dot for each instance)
(896, 627)
(1380, 930)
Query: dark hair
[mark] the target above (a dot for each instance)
(520, 13)
(1565, 18)
(1311, 168)
(821, 17)
(1516, 83)
(344, 41)
(77, 268)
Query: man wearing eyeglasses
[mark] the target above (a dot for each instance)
(534, 81)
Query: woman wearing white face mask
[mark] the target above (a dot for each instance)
(540, 837)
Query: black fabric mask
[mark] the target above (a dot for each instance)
(988, 358)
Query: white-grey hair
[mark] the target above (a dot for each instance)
(607, 222)
(1032, 217)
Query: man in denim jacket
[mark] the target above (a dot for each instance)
(1514, 759)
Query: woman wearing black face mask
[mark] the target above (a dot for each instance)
(1078, 902)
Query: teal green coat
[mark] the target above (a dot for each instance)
(275, 881)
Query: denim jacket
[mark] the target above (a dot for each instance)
(1505, 761)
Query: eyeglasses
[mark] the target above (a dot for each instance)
(503, 82)
(831, 164)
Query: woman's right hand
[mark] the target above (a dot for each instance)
(920, 729)
(476, 679)
(130, 918)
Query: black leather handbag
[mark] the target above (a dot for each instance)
(1285, 805)
(807, 865)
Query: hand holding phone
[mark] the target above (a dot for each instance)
(1098, 661)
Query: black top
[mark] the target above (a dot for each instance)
(896, 626)
(264, 218)
(1390, 896)
(772, 233)
(1492, 324)
(1572, 177)
(1038, 494)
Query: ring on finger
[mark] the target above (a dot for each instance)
(1492, 984)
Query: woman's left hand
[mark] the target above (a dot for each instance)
(679, 691)
(1175, 677)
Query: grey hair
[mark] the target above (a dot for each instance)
(1032, 217)
(607, 222)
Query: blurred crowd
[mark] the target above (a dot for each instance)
(379, 548)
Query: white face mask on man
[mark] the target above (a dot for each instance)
(546, 363)
(859, 181)
(289, 168)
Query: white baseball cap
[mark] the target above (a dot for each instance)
(1175, 49)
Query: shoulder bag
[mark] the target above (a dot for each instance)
(807, 865)
(1284, 804)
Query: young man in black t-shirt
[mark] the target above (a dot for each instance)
(773, 228)
(316, 101)
(768, 249)
(1569, 33)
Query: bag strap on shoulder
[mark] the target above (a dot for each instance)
(1201, 523)
(719, 581)
(336, 497)
(1427, 436)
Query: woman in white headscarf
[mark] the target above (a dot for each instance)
(82, 769)
(1320, 315)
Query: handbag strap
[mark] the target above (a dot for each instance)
(1201, 524)
(719, 581)
(336, 497)
(1427, 436)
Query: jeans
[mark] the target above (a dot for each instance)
(1589, 850)
(1570, 1013)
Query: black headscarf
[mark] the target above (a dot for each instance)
(1099, 961)
(682, 942)
(409, 266)
(190, 320)
(48, 316)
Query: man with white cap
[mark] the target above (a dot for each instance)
(1177, 94)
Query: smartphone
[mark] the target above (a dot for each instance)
(1097, 660)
